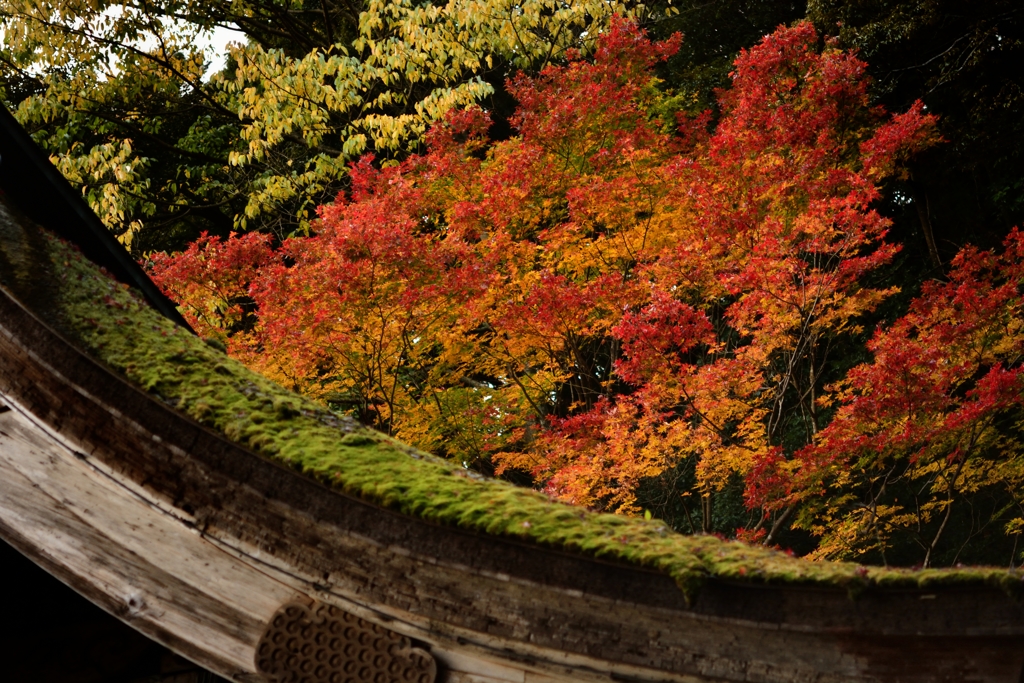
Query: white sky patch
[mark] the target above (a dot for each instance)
(215, 44)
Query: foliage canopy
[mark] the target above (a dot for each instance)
(600, 300)
(118, 93)
(556, 252)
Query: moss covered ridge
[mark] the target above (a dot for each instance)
(116, 327)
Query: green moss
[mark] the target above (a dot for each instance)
(197, 379)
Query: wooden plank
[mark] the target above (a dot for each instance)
(134, 554)
(144, 562)
(140, 564)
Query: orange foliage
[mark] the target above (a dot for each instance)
(596, 299)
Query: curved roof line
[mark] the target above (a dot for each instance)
(227, 517)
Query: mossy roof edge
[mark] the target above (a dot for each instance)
(112, 324)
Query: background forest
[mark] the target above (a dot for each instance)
(747, 267)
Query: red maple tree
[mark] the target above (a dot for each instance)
(608, 296)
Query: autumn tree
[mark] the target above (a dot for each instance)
(963, 60)
(770, 236)
(597, 299)
(922, 462)
(118, 92)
